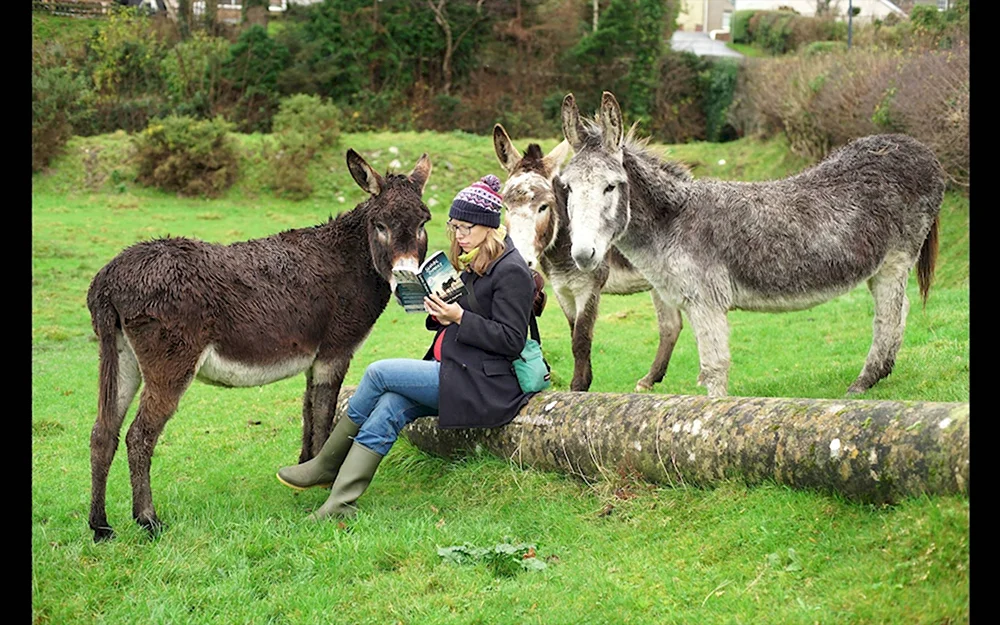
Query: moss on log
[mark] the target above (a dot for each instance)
(866, 450)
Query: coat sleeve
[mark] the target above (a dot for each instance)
(505, 332)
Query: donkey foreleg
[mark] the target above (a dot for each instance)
(711, 330)
(327, 376)
(888, 288)
(669, 321)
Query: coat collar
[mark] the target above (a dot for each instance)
(508, 247)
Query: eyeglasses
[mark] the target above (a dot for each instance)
(462, 230)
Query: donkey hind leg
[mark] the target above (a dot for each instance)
(157, 403)
(104, 437)
(711, 330)
(668, 319)
(324, 381)
(888, 288)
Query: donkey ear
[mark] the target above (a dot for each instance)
(506, 152)
(572, 129)
(611, 122)
(366, 177)
(553, 160)
(421, 172)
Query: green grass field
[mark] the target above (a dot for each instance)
(237, 549)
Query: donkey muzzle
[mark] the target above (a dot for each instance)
(585, 258)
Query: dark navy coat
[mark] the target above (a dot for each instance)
(478, 387)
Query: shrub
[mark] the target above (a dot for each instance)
(123, 57)
(191, 157)
(679, 114)
(55, 94)
(303, 125)
(288, 165)
(251, 71)
(772, 31)
(822, 101)
(719, 83)
(740, 26)
(311, 116)
(192, 73)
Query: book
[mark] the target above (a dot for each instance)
(436, 275)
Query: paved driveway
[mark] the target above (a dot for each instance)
(701, 44)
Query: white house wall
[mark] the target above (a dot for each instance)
(869, 8)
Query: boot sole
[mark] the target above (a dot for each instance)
(301, 488)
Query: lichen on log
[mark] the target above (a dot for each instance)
(872, 451)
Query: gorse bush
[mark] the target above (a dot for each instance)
(303, 125)
(316, 119)
(188, 156)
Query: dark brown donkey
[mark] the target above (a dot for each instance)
(171, 310)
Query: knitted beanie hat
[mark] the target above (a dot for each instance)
(479, 203)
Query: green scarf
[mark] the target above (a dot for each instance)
(466, 257)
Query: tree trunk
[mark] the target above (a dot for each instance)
(866, 450)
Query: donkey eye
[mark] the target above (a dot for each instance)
(543, 208)
(381, 229)
(609, 188)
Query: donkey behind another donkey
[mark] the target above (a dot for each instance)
(171, 310)
(867, 213)
(540, 230)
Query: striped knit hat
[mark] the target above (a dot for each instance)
(479, 203)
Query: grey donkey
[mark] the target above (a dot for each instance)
(868, 213)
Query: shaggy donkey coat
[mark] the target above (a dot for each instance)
(867, 213)
(171, 310)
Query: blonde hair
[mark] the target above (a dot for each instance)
(489, 250)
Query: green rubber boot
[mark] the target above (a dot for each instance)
(322, 470)
(355, 475)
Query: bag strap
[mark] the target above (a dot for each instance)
(474, 305)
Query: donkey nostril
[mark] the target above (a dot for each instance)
(593, 251)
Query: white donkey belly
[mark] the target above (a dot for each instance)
(214, 369)
(625, 282)
(747, 299)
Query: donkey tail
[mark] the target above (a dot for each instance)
(104, 318)
(927, 261)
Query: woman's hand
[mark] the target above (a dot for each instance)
(445, 313)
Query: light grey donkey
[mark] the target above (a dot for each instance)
(868, 213)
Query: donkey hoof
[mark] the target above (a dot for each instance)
(643, 385)
(154, 527)
(103, 533)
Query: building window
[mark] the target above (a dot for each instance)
(943, 5)
(727, 18)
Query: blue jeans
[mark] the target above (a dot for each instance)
(392, 394)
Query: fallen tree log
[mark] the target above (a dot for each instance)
(871, 451)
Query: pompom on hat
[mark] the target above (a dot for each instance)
(479, 203)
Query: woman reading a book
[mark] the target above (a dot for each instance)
(466, 376)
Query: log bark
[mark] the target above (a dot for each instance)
(871, 451)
